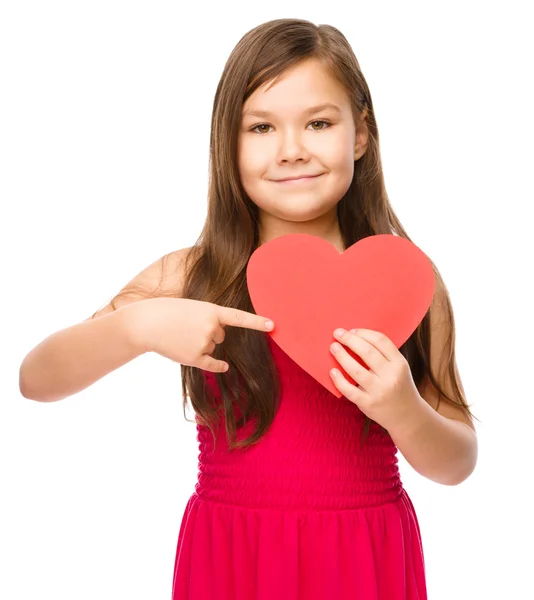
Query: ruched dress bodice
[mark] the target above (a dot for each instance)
(307, 513)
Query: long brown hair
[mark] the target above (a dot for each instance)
(216, 270)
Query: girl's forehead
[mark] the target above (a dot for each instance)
(301, 89)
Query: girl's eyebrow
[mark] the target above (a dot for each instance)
(308, 111)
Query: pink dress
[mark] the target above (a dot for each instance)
(305, 514)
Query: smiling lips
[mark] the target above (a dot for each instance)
(301, 179)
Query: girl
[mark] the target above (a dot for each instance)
(299, 494)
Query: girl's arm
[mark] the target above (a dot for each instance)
(72, 359)
(439, 439)
(441, 448)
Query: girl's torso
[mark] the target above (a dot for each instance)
(311, 457)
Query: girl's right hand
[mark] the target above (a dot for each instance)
(186, 331)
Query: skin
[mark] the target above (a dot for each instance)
(439, 443)
(290, 142)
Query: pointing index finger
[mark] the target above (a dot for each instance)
(242, 318)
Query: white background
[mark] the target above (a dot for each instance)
(105, 112)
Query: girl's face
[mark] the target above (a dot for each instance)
(288, 140)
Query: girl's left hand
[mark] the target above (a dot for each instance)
(386, 392)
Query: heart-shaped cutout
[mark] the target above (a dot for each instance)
(300, 281)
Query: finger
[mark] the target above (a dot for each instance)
(381, 341)
(351, 392)
(370, 355)
(209, 348)
(352, 367)
(219, 335)
(208, 363)
(242, 318)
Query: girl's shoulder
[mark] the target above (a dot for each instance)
(163, 277)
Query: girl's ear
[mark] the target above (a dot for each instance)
(362, 135)
(361, 142)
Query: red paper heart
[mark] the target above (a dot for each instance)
(383, 282)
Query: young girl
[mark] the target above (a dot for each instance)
(299, 495)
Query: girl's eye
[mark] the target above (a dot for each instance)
(266, 125)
